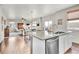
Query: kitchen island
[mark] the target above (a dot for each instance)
(44, 42)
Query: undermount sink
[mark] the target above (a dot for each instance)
(59, 32)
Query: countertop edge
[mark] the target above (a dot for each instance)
(51, 36)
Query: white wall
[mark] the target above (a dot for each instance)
(54, 18)
(60, 15)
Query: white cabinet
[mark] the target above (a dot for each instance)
(38, 46)
(61, 45)
(49, 46)
(65, 42)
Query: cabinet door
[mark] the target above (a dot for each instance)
(65, 42)
(61, 44)
(68, 41)
(38, 46)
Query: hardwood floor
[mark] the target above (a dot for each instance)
(15, 45)
(21, 45)
(74, 49)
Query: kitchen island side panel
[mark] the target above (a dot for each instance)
(38, 46)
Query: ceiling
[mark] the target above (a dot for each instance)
(29, 11)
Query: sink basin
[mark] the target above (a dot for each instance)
(59, 32)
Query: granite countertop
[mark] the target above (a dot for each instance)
(44, 35)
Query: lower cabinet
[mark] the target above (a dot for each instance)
(61, 45)
(49, 46)
(57, 45)
(65, 42)
(38, 46)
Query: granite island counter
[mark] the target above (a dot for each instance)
(44, 42)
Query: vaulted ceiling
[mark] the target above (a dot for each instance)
(31, 10)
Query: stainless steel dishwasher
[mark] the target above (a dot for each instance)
(52, 46)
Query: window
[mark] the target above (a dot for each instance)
(73, 25)
(34, 23)
(73, 19)
(48, 24)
